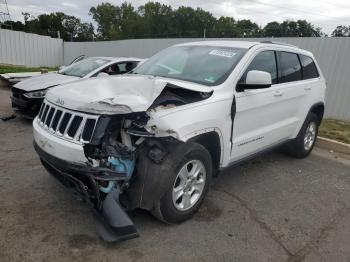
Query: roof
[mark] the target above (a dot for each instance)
(118, 58)
(239, 44)
(244, 44)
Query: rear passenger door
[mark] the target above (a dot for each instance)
(294, 89)
(265, 117)
(311, 86)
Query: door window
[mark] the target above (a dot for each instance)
(120, 68)
(309, 67)
(290, 67)
(264, 61)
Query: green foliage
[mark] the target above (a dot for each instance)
(21, 69)
(156, 20)
(341, 31)
(288, 28)
(69, 27)
(105, 15)
(335, 129)
(248, 28)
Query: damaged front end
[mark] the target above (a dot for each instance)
(125, 145)
(121, 149)
(118, 147)
(112, 157)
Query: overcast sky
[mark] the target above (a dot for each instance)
(326, 14)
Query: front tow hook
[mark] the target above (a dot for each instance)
(112, 222)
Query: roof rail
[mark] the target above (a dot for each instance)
(277, 43)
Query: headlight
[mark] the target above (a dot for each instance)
(36, 94)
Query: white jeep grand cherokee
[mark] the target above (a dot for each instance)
(152, 139)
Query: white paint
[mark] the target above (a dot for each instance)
(255, 77)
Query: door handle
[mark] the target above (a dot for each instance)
(307, 88)
(278, 93)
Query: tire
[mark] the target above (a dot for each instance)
(173, 208)
(298, 147)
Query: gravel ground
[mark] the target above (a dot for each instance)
(274, 208)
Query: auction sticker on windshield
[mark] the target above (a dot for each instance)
(223, 53)
(101, 62)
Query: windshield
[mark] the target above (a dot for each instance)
(208, 65)
(83, 67)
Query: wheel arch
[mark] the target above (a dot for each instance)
(210, 141)
(318, 110)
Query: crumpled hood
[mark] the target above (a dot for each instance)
(115, 95)
(44, 81)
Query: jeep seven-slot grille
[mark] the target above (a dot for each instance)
(67, 124)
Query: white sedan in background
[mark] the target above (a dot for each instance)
(28, 94)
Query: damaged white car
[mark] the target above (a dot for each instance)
(28, 95)
(154, 138)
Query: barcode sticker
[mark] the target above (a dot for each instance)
(100, 62)
(223, 53)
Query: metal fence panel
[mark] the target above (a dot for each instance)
(19, 48)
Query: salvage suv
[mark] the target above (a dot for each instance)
(152, 139)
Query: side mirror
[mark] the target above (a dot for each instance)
(102, 74)
(256, 80)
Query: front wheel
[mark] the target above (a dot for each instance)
(303, 144)
(189, 175)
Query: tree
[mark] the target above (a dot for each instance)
(70, 27)
(27, 17)
(14, 25)
(272, 29)
(185, 22)
(157, 19)
(85, 32)
(288, 28)
(204, 21)
(105, 15)
(306, 29)
(129, 21)
(248, 28)
(341, 30)
(226, 27)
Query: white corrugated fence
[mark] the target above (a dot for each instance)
(19, 48)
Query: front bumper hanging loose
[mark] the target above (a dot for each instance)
(112, 223)
(111, 220)
(28, 108)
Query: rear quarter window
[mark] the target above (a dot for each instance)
(309, 67)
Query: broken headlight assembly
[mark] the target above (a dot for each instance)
(36, 94)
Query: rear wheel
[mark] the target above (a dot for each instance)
(303, 144)
(189, 175)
